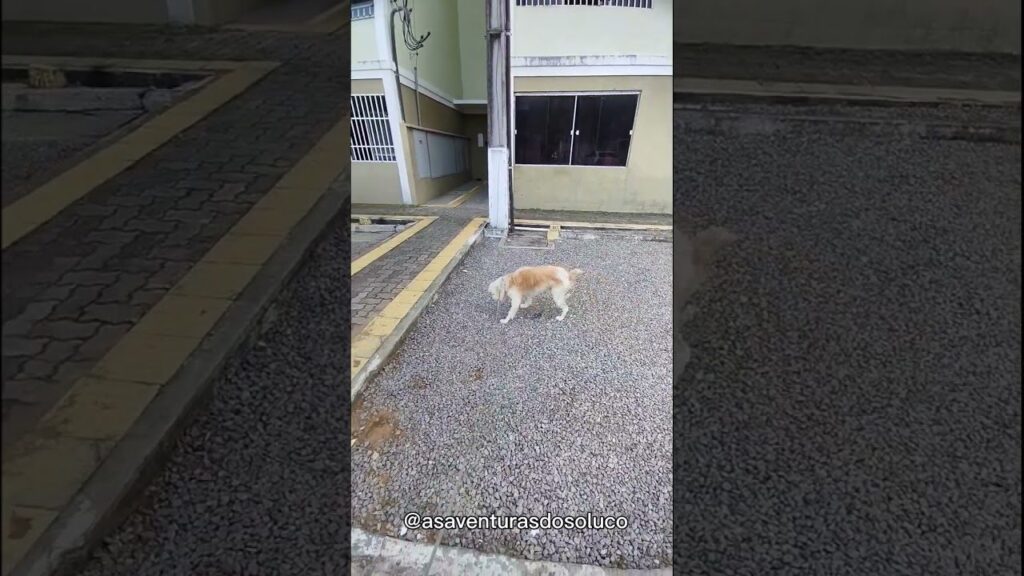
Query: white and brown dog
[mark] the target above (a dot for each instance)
(529, 281)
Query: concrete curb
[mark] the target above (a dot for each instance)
(391, 343)
(104, 500)
(385, 556)
(739, 91)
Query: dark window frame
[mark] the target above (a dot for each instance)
(574, 129)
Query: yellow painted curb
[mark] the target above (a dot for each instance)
(553, 232)
(366, 343)
(462, 199)
(358, 363)
(456, 202)
(599, 225)
(389, 217)
(389, 245)
(42, 204)
(380, 326)
(51, 463)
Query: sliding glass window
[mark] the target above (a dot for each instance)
(574, 130)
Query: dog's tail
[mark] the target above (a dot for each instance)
(574, 274)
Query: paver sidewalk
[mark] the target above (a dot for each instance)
(76, 285)
(110, 297)
(377, 284)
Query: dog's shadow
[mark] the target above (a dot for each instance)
(694, 257)
(542, 308)
(536, 311)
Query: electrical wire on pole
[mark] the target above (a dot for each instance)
(412, 44)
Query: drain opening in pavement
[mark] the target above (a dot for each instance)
(368, 233)
(55, 116)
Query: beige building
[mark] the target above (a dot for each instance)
(591, 103)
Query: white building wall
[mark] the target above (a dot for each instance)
(364, 44)
(545, 32)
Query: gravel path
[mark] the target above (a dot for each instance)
(34, 142)
(853, 401)
(533, 417)
(257, 483)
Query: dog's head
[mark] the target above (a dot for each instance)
(497, 289)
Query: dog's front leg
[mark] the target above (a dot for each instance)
(515, 298)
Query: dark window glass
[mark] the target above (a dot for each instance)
(603, 129)
(543, 129)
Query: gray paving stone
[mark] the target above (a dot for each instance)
(37, 369)
(19, 346)
(123, 289)
(115, 313)
(89, 278)
(29, 391)
(113, 228)
(58, 351)
(115, 252)
(99, 343)
(32, 313)
(80, 297)
(65, 329)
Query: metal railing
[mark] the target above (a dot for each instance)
(615, 3)
(362, 10)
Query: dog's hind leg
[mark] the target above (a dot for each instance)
(558, 295)
(515, 298)
(526, 303)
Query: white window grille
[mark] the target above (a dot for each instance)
(616, 3)
(362, 10)
(371, 132)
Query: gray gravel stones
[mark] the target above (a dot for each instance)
(973, 71)
(536, 416)
(967, 123)
(34, 142)
(852, 405)
(257, 483)
(364, 241)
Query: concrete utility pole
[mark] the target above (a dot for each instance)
(498, 114)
